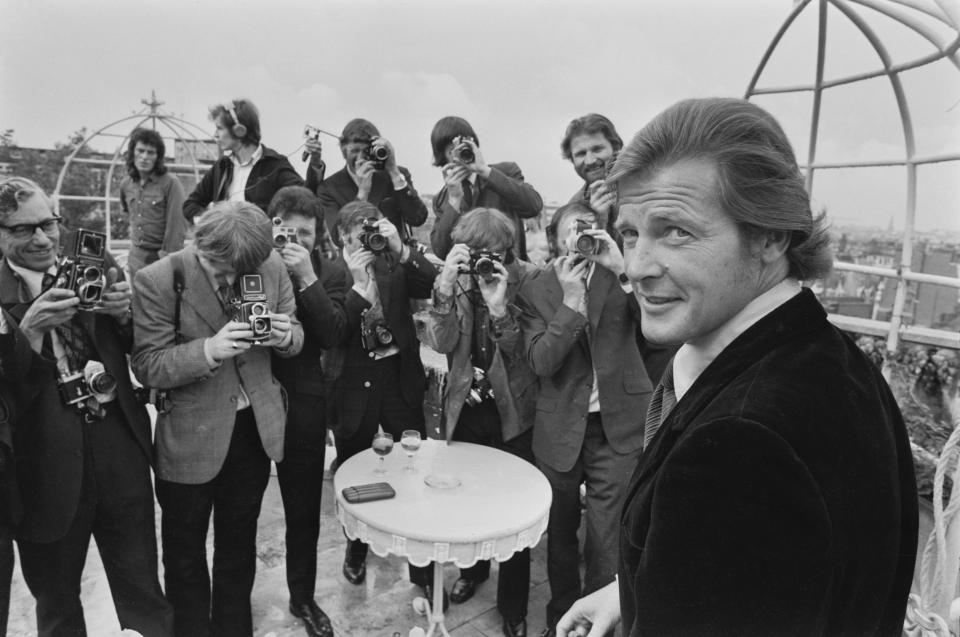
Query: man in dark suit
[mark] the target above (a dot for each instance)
(469, 182)
(383, 380)
(224, 415)
(776, 493)
(578, 318)
(83, 464)
(385, 184)
(319, 286)
(10, 506)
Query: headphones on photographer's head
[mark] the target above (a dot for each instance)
(238, 130)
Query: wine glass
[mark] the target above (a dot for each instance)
(410, 441)
(382, 445)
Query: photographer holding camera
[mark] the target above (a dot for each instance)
(319, 288)
(491, 391)
(82, 440)
(383, 381)
(578, 319)
(207, 343)
(469, 182)
(591, 143)
(371, 174)
(248, 170)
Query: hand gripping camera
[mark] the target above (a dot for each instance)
(585, 244)
(371, 238)
(252, 308)
(282, 235)
(81, 269)
(375, 334)
(378, 153)
(481, 263)
(463, 151)
(93, 382)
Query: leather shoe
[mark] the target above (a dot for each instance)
(515, 629)
(355, 570)
(428, 593)
(463, 589)
(314, 619)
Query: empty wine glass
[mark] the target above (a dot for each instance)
(410, 441)
(382, 445)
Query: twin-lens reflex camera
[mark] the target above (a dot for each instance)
(80, 268)
(251, 308)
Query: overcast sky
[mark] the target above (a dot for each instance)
(517, 70)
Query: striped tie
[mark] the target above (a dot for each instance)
(663, 401)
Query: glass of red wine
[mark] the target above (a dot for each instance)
(382, 445)
(410, 441)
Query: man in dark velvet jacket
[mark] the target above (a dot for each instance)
(249, 171)
(388, 187)
(319, 286)
(776, 492)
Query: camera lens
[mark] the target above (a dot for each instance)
(379, 153)
(92, 273)
(260, 325)
(384, 336)
(586, 244)
(465, 154)
(103, 383)
(258, 309)
(376, 242)
(280, 240)
(484, 266)
(89, 292)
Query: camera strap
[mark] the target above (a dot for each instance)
(176, 261)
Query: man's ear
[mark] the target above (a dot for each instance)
(771, 245)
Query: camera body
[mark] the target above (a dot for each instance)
(463, 151)
(311, 132)
(375, 334)
(585, 244)
(371, 238)
(81, 269)
(93, 382)
(282, 235)
(378, 153)
(252, 307)
(481, 263)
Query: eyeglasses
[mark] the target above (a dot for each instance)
(27, 230)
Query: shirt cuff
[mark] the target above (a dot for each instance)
(362, 291)
(399, 182)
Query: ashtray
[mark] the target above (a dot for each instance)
(442, 481)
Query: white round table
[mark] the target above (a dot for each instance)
(500, 506)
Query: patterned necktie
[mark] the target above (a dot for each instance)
(467, 195)
(663, 401)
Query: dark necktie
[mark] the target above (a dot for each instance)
(77, 345)
(663, 401)
(467, 195)
(482, 343)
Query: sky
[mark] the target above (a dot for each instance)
(518, 70)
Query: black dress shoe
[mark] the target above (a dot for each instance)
(515, 629)
(314, 619)
(463, 589)
(428, 593)
(355, 570)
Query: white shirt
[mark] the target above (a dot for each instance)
(241, 173)
(690, 360)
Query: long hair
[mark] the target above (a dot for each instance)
(444, 132)
(147, 137)
(759, 183)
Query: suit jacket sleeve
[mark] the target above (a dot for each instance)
(507, 180)
(728, 499)
(446, 219)
(176, 223)
(320, 306)
(420, 275)
(330, 207)
(19, 363)
(286, 175)
(157, 360)
(287, 304)
(547, 342)
(412, 209)
(314, 177)
(441, 330)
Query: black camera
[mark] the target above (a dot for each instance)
(375, 334)
(481, 263)
(378, 153)
(282, 235)
(463, 151)
(585, 244)
(93, 382)
(252, 308)
(480, 388)
(81, 268)
(371, 238)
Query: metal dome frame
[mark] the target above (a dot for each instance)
(908, 13)
(176, 127)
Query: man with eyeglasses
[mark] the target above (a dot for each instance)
(82, 471)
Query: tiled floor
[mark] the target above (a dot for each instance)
(380, 607)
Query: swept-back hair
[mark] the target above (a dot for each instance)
(147, 137)
(247, 115)
(759, 183)
(235, 232)
(485, 228)
(444, 132)
(590, 124)
(14, 191)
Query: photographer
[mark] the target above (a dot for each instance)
(383, 380)
(248, 170)
(491, 390)
(591, 144)
(81, 446)
(469, 182)
(319, 287)
(208, 347)
(153, 200)
(371, 174)
(578, 319)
